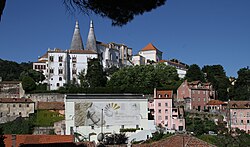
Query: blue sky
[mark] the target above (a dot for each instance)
(203, 32)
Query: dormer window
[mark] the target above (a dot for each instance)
(247, 105)
(234, 105)
(159, 96)
(166, 96)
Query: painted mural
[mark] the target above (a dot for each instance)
(90, 113)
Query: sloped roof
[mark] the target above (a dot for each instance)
(38, 139)
(239, 104)
(76, 42)
(163, 93)
(215, 102)
(44, 56)
(82, 51)
(51, 105)
(15, 100)
(149, 47)
(179, 140)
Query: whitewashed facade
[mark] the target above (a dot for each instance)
(89, 114)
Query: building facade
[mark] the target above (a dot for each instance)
(62, 67)
(11, 108)
(11, 89)
(198, 94)
(239, 115)
(164, 112)
(92, 114)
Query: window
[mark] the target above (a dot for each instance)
(51, 71)
(204, 99)
(74, 59)
(14, 113)
(159, 111)
(248, 114)
(166, 117)
(60, 64)
(20, 105)
(60, 71)
(241, 122)
(193, 91)
(166, 104)
(74, 71)
(204, 92)
(159, 117)
(57, 84)
(60, 78)
(20, 113)
(137, 126)
(1, 114)
(28, 105)
(60, 59)
(51, 58)
(199, 99)
(14, 105)
(166, 110)
(159, 96)
(193, 99)
(92, 127)
(122, 126)
(248, 121)
(159, 104)
(199, 92)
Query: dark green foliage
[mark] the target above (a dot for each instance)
(217, 76)
(194, 73)
(10, 71)
(119, 11)
(115, 139)
(145, 77)
(241, 90)
(19, 126)
(2, 5)
(35, 75)
(2, 144)
(111, 70)
(95, 75)
(28, 84)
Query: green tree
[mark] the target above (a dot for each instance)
(241, 89)
(145, 77)
(35, 75)
(28, 84)
(194, 73)
(2, 144)
(217, 76)
(119, 11)
(83, 79)
(95, 75)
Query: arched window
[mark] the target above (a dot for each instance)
(60, 78)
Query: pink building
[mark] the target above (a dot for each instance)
(217, 106)
(164, 112)
(196, 94)
(239, 116)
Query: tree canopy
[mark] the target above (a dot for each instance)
(194, 73)
(119, 11)
(241, 90)
(217, 76)
(145, 77)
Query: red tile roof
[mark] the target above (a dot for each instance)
(15, 100)
(44, 56)
(51, 105)
(178, 141)
(37, 139)
(239, 104)
(149, 47)
(163, 93)
(215, 102)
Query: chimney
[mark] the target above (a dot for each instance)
(155, 93)
(13, 139)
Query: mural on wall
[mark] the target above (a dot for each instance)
(90, 113)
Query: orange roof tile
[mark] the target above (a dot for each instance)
(239, 104)
(38, 139)
(215, 102)
(51, 105)
(163, 93)
(179, 140)
(149, 47)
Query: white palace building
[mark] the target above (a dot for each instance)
(62, 66)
